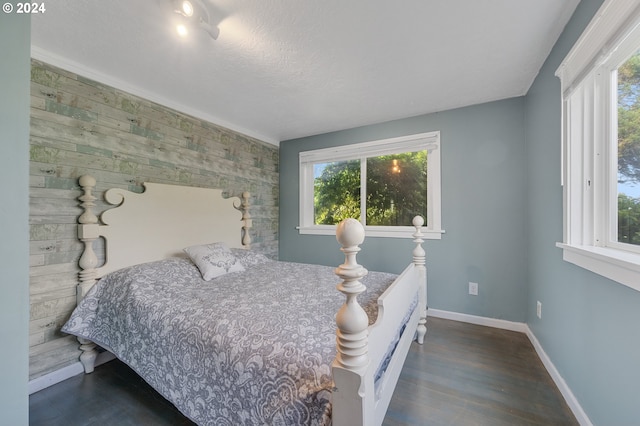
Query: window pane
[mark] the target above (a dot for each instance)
(629, 151)
(336, 191)
(396, 188)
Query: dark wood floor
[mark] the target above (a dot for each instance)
(464, 375)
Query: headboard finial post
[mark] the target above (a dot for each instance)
(87, 183)
(352, 321)
(419, 260)
(88, 232)
(246, 219)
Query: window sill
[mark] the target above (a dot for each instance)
(372, 231)
(617, 265)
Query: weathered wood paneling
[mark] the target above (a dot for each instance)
(80, 126)
(52, 355)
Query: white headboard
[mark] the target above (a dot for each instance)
(157, 224)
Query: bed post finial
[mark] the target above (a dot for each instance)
(349, 404)
(352, 321)
(88, 232)
(419, 260)
(246, 219)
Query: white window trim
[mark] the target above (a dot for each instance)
(587, 159)
(429, 141)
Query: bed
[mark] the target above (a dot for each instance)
(228, 335)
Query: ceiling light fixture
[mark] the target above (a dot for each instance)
(186, 9)
(182, 30)
(193, 13)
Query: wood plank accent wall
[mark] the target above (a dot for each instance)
(80, 126)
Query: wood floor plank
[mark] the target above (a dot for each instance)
(464, 374)
(472, 375)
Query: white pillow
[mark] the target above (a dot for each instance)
(213, 260)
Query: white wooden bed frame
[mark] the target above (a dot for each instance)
(166, 218)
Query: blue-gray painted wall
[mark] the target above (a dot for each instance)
(589, 326)
(483, 209)
(502, 210)
(15, 39)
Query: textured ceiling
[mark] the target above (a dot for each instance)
(283, 69)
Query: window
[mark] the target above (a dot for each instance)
(601, 145)
(626, 227)
(382, 183)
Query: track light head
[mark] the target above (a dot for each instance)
(193, 14)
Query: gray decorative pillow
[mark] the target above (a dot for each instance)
(213, 260)
(249, 258)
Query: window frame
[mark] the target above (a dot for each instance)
(589, 144)
(417, 142)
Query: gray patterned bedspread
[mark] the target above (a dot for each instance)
(251, 347)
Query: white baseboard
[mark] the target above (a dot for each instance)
(521, 327)
(569, 397)
(65, 373)
(473, 319)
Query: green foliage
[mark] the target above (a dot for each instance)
(394, 196)
(629, 148)
(336, 193)
(629, 120)
(628, 219)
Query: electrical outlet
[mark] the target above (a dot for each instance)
(473, 288)
(539, 310)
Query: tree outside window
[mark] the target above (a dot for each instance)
(383, 183)
(629, 151)
(395, 188)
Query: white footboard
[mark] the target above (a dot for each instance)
(369, 359)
